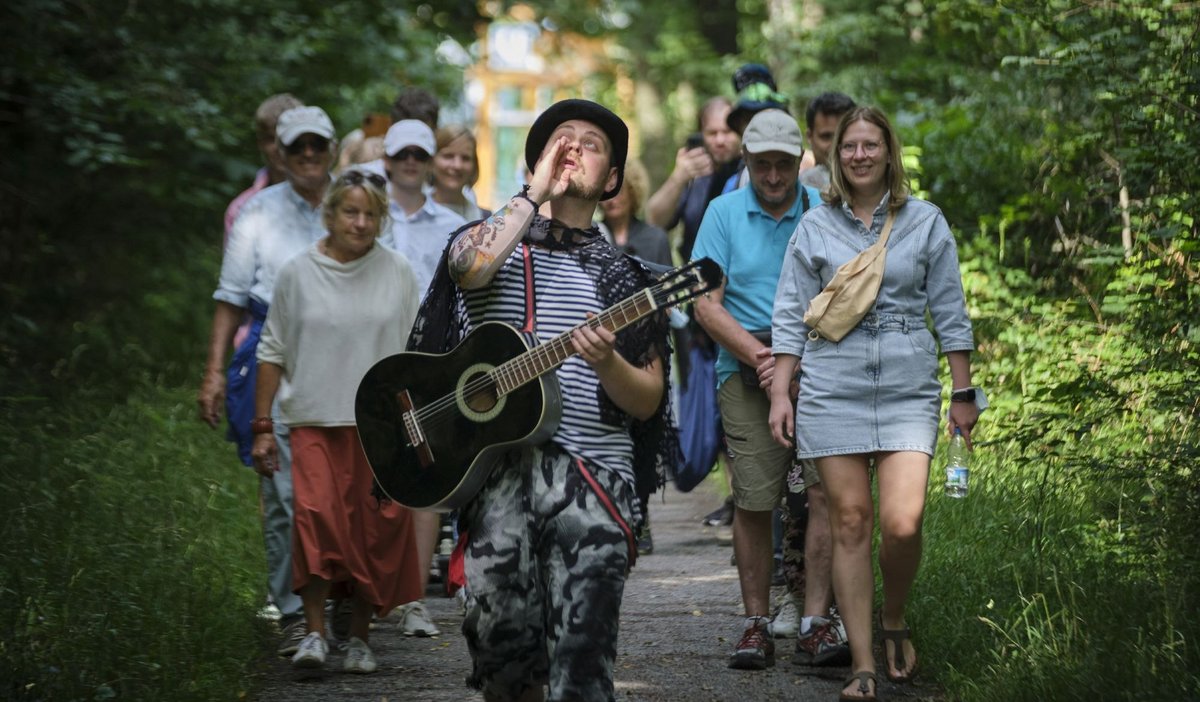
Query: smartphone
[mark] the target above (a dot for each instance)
(694, 141)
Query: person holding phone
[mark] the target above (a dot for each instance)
(699, 166)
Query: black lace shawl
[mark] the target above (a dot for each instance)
(442, 323)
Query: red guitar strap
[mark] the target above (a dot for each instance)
(607, 502)
(530, 322)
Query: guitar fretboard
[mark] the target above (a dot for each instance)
(544, 358)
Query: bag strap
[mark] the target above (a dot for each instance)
(887, 229)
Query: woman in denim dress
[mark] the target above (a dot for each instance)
(873, 397)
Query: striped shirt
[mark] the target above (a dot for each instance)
(563, 293)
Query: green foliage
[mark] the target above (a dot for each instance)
(128, 128)
(1076, 546)
(1041, 127)
(1074, 557)
(130, 553)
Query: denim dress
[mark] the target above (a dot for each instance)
(877, 389)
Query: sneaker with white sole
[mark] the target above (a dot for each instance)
(293, 634)
(312, 651)
(359, 657)
(415, 620)
(822, 645)
(787, 620)
(755, 650)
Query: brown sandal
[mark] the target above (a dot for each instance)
(897, 637)
(863, 677)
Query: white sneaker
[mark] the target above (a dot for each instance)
(359, 657)
(312, 651)
(787, 620)
(415, 621)
(270, 612)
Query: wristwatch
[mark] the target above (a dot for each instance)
(964, 395)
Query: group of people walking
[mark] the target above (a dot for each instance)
(329, 274)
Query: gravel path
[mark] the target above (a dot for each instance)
(679, 621)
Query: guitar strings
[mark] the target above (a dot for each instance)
(434, 412)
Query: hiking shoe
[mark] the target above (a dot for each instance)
(359, 657)
(415, 621)
(293, 634)
(822, 645)
(721, 516)
(756, 650)
(312, 652)
(787, 620)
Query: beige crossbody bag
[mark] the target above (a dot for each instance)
(852, 292)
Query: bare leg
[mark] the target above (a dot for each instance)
(360, 618)
(903, 481)
(313, 596)
(851, 515)
(818, 556)
(752, 546)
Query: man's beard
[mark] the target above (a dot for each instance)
(584, 192)
(787, 195)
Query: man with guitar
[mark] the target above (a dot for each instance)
(550, 532)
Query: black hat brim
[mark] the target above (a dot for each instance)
(744, 110)
(564, 110)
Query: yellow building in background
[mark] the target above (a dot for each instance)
(522, 70)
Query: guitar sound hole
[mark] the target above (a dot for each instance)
(484, 399)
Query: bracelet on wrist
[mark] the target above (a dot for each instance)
(262, 425)
(524, 195)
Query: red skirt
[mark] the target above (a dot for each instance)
(341, 533)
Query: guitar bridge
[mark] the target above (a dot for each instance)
(412, 430)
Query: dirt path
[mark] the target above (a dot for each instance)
(679, 621)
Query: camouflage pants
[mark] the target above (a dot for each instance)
(549, 546)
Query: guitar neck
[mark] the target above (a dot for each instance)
(546, 357)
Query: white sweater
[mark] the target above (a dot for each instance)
(329, 322)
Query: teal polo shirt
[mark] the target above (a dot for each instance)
(749, 246)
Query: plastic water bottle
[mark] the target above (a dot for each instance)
(957, 466)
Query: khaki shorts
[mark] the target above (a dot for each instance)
(759, 466)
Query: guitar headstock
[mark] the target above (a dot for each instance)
(682, 284)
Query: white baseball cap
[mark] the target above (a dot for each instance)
(773, 130)
(303, 120)
(409, 132)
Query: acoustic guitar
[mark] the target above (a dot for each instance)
(433, 425)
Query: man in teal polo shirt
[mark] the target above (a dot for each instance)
(747, 232)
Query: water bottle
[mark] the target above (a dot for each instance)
(957, 466)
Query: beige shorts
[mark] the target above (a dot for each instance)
(759, 466)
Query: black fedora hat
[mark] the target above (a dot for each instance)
(564, 110)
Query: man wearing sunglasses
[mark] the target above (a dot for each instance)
(276, 224)
(420, 226)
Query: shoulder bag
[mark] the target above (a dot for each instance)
(852, 292)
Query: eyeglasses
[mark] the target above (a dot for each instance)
(357, 177)
(308, 141)
(412, 152)
(849, 148)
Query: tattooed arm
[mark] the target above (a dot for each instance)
(478, 253)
